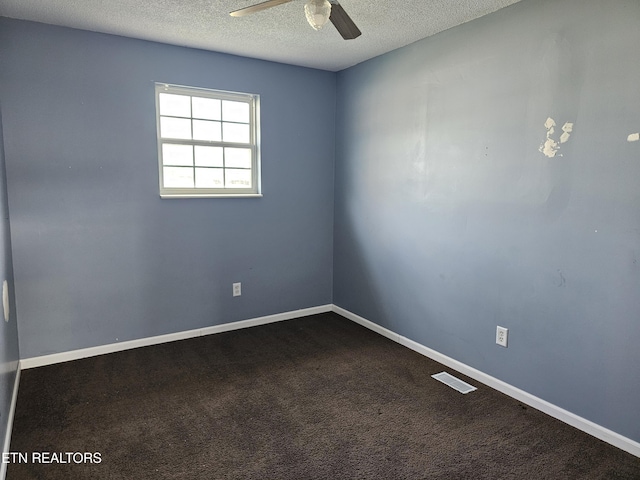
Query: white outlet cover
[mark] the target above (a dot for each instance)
(502, 336)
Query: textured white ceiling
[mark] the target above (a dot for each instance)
(280, 34)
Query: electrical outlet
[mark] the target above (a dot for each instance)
(502, 335)
(237, 289)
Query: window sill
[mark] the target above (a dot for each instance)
(212, 195)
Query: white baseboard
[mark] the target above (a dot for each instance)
(554, 411)
(12, 411)
(43, 360)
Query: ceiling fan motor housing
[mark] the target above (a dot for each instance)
(318, 13)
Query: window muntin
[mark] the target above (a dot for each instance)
(207, 142)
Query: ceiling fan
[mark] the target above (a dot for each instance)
(318, 13)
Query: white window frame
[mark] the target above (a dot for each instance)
(195, 192)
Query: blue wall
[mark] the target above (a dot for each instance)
(98, 256)
(9, 354)
(450, 221)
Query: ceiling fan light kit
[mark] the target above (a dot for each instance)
(318, 13)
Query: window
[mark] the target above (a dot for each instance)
(207, 142)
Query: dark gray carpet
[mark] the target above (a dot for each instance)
(313, 398)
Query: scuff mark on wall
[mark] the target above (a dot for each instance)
(550, 147)
(634, 137)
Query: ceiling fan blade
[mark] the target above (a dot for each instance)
(256, 8)
(343, 22)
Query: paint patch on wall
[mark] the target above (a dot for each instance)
(551, 147)
(567, 128)
(634, 137)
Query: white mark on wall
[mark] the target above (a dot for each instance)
(5, 300)
(634, 137)
(550, 147)
(567, 128)
(549, 124)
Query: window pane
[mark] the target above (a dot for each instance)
(237, 157)
(177, 154)
(237, 178)
(175, 105)
(177, 177)
(204, 130)
(208, 156)
(209, 178)
(235, 111)
(235, 132)
(175, 128)
(207, 108)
